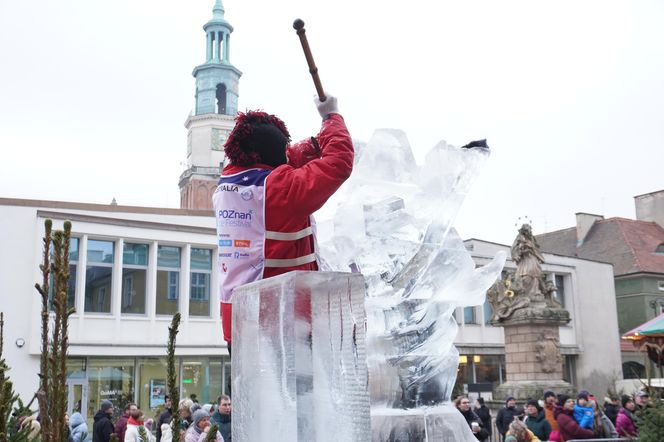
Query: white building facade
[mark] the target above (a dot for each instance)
(132, 268)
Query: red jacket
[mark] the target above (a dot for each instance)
(292, 195)
(625, 425)
(568, 427)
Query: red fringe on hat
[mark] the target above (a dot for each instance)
(244, 122)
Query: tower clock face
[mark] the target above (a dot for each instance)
(219, 137)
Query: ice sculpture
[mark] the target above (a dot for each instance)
(392, 221)
(315, 359)
(300, 372)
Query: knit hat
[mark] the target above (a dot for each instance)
(642, 393)
(562, 398)
(509, 398)
(106, 404)
(583, 394)
(200, 414)
(195, 406)
(257, 137)
(534, 403)
(625, 398)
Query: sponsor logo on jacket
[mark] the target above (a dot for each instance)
(242, 243)
(228, 188)
(247, 195)
(235, 214)
(225, 242)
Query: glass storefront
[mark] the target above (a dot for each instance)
(109, 379)
(153, 377)
(141, 380)
(202, 377)
(475, 371)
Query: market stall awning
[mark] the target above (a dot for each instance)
(651, 329)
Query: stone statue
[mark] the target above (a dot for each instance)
(525, 294)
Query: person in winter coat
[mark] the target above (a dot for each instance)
(518, 432)
(184, 409)
(603, 426)
(567, 426)
(583, 414)
(33, 424)
(474, 422)
(536, 421)
(134, 425)
(166, 432)
(103, 427)
(611, 408)
(222, 417)
(550, 403)
(121, 424)
(506, 416)
(626, 420)
(484, 414)
(198, 430)
(267, 194)
(79, 429)
(165, 417)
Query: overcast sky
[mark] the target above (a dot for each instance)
(569, 94)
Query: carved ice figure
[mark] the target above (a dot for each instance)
(392, 221)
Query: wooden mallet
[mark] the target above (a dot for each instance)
(299, 27)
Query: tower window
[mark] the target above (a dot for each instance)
(221, 98)
(660, 249)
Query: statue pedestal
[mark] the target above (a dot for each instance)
(532, 355)
(299, 367)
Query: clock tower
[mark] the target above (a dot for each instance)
(214, 117)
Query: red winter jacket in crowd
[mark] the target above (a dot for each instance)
(292, 195)
(625, 425)
(568, 427)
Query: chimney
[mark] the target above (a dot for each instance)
(585, 222)
(650, 207)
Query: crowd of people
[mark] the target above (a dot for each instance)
(132, 425)
(556, 417)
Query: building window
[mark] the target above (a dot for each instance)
(134, 277)
(560, 289)
(98, 276)
(488, 312)
(660, 286)
(71, 286)
(660, 249)
(569, 369)
(168, 280)
(633, 370)
(489, 369)
(199, 286)
(469, 315)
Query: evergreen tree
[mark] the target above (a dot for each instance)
(212, 433)
(52, 393)
(651, 422)
(173, 390)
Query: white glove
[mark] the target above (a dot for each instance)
(327, 107)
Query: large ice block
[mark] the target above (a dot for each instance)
(299, 368)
